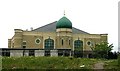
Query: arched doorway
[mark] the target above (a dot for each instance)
(48, 45)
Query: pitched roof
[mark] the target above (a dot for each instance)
(52, 28)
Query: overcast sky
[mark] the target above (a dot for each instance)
(92, 16)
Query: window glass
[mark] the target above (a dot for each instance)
(37, 41)
(88, 43)
(69, 42)
(49, 44)
(78, 44)
(24, 43)
(62, 41)
(24, 46)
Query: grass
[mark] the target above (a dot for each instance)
(111, 64)
(46, 62)
(53, 63)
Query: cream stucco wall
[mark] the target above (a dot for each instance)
(29, 37)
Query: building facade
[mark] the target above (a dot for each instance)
(57, 37)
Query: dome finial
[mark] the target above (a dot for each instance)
(64, 12)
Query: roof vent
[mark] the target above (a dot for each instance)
(31, 28)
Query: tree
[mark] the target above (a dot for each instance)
(113, 55)
(119, 60)
(101, 50)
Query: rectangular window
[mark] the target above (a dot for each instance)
(24, 44)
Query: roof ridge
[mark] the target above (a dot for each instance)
(80, 30)
(51, 27)
(44, 25)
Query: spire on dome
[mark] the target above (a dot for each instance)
(64, 12)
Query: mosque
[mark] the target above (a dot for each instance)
(58, 38)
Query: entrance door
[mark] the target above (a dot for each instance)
(31, 53)
(47, 52)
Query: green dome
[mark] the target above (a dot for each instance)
(64, 23)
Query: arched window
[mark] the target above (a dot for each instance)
(78, 44)
(69, 42)
(49, 43)
(62, 41)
